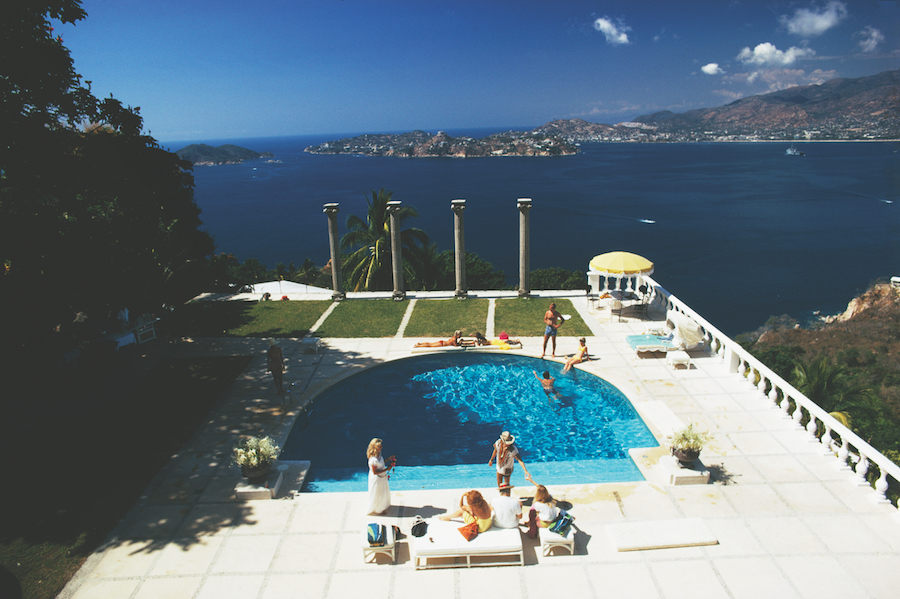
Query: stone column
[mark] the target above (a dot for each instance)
(524, 206)
(331, 211)
(396, 252)
(458, 206)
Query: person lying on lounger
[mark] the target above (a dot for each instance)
(505, 342)
(452, 341)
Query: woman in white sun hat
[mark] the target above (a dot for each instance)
(507, 453)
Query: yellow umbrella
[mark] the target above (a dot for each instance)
(620, 264)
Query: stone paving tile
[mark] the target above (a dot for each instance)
(353, 584)
(735, 538)
(706, 501)
(295, 586)
(245, 554)
(820, 577)
(622, 581)
(809, 498)
(754, 578)
(756, 443)
(129, 559)
(98, 588)
(230, 586)
(870, 571)
(430, 584)
(785, 535)
(186, 556)
(306, 553)
(171, 588)
(757, 500)
(694, 578)
(845, 533)
(780, 468)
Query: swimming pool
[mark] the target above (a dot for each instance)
(440, 414)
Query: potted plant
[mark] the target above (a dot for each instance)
(255, 456)
(687, 443)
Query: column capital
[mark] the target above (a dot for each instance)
(330, 209)
(457, 206)
(394, 206)
(523, 204)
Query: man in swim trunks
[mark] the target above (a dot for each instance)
(552, 320)
(507, 454)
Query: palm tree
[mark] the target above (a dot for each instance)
(368, 266)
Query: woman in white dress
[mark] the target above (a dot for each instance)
(379, 493)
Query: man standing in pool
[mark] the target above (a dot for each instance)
(506, 453)
(552, 320)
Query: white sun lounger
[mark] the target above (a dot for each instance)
(443, 546)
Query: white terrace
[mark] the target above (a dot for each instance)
(792, 519)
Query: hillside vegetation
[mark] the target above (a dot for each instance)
(850, 365)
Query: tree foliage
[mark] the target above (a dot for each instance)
(93, 214)
(368, 265)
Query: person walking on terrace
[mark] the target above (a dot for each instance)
(379, 491)
(552, 321)
(506, 453)
(275, 364)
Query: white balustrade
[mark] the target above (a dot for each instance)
(835, 435)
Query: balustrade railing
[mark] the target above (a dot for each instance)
(835, 438)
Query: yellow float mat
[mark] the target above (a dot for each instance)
(660, 534)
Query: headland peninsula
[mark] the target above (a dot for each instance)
(206, 155)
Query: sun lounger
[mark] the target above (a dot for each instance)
(650, 343)
(389, 549)
(444, 547)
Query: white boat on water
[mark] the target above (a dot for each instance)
(793, 151)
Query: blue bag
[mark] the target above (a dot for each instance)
(376, 534)
(562, 524)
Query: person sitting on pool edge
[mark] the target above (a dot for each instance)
(580, 356)
(452, 341)
(473, 508)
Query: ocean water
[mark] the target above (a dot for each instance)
(739, 231)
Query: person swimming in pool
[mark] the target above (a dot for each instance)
(547, 384)
(580, 356)
(452, 341)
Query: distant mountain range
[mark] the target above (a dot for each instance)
(844, 109)
(203, 154)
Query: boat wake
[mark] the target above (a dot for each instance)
(646, 220)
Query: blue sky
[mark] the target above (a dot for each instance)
(210, 70)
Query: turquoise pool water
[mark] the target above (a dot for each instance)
(440, 413)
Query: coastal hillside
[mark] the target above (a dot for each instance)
(851, 360)
(421, 144)
(861, 108)
(203, 154)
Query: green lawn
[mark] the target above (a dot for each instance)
(524, 317)
(364, 318)
(440, 318)
(247, 319)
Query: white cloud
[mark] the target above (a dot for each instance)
(810, 22)
(712, 69)
(767, 54)
(871, 37)
(728, 94)
(614, 34)
(778, 79)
